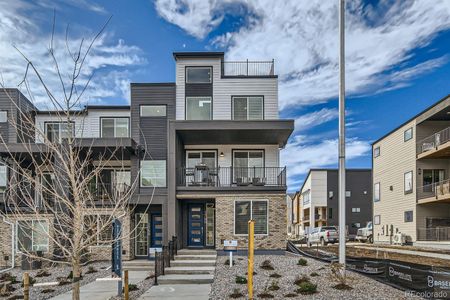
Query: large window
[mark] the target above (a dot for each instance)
(32, 235)
(99, 226)
(153, 111)
(248, 108)
(115, 127)
(376, 192)
(431, 176)
(57, 131)
(248, 165)
(245, 211)
(198, 108)
(195, 158)
(408, 182)
(198, 75)
(3, 178)
(3, 116)
(153, 173)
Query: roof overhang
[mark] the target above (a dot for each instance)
(234, 132)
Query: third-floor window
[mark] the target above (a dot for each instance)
(198, 75)
(248, 108)
(57, 131)
(115, 127)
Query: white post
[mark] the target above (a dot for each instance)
(342, 134)
(231, 259)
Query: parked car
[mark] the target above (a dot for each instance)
(323, 235)
(365, 234)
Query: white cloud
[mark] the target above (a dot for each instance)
(108, 61)
(315, 118)
(299, 156)
(303, 39)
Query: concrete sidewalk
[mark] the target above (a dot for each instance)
(406, 252)
(178, 292)
(102, 290)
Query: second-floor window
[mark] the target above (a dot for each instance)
(57, 131)
(248, 108)
(3, 116)
(198, 108)
(115, 127)
(198, 75)
(153, 173)
(3, 178)
(153, 111)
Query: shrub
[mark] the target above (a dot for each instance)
(339, 276)
(241, 280)
(47, 291)
(43, 273)
(8, 277)
(299, 280)
(70, 276)
(63, 280)
(236, 294)
(307, 288)
(302, 262)
(227, 262)
(267, 265)
(265, 295)
(314, 274)
(91, 270)
(274, 286)
(6, 290)
(31, 280)
(275, 275)
(131, 287)
(290, 295)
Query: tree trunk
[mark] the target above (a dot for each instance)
(76, 272)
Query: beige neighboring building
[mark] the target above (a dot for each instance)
(411, 187)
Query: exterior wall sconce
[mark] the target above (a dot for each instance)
(419, 171)
(221, 154)
(391, 188)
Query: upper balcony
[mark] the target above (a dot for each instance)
(436, 145)
(241, 69)
(438, 192)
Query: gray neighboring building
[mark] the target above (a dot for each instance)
(318, 200)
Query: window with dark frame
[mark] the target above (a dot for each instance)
(153, 173)
(117, 127)
(376, 192)
(57, 131)
(248, 107)
(376, 152)
(198, 74)
(3, 178)
(248, 210)
(408, 134)
(32, 235)
(198, 108)
(330, 213)
(408, 182)
(408, 216)
(153, 111)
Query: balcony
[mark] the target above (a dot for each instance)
(436, 234)
(435, 146)
(242, 69)
(254, 178)
(438, 192)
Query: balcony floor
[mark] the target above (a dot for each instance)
(434, 199)
(440, 151)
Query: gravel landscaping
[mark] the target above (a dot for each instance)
(141, 286)
(56, 273)
(279, 282)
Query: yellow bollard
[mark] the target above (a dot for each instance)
(251, 248)
(125, 288)
(26, 286)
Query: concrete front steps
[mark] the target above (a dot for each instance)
(190, 267)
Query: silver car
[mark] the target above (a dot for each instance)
(323, 235)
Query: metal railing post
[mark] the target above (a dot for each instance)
(156, 269)
(163, 262)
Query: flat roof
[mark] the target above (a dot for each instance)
(198, 54)
(415, 117)
(333, 170)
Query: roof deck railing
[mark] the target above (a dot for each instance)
(248, 68)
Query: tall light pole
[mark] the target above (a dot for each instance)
(342, 228)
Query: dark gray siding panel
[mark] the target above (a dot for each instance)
(359, 183)
(199, 89)
(151, 132)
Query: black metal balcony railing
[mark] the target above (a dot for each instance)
(248, 68)
(433, 141)
(108, 191)
(231, 176)
(433, 234)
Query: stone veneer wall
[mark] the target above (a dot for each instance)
(276, 238)
(5, 245)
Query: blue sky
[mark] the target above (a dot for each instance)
(398, 59)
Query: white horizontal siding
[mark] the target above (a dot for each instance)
(86, 125)
(225, 88)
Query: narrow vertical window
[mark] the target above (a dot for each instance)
(376, 192)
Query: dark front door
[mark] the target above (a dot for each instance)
(195, 225)
(156, 236)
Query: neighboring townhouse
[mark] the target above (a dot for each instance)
(319, 199)
(411, 167)
(205, 151)
(290, 215)
(295, 211)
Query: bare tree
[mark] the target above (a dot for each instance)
(56, 191)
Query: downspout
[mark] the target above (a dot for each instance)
(12, 246)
